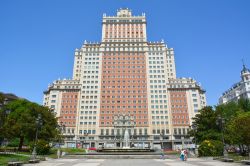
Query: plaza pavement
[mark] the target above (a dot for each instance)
(132, 162)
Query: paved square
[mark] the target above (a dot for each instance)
(133, 162)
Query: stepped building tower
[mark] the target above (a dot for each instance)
(125, 85)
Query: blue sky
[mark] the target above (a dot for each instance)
(38, 39)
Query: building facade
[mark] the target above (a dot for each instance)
(239, 90)
(125, 84)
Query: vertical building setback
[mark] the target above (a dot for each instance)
(125, 84)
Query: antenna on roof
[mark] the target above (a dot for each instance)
(243, 63)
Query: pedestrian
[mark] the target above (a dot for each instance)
(185, 155)
(182, 155)
(162, 155)
(58, 153)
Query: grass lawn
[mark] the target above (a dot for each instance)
(5, 158)
(73, 150)
(237, 157)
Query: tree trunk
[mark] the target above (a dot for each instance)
(20, 143)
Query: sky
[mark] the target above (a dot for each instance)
(38, 39)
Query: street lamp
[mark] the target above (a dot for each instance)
(194, 128)
(220, 122)
(38, 124)
(61, 128)
(161, 138)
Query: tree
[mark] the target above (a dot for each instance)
(206, 128)
(21, 122)
(238, 130)
(244, 105)
(233, 126)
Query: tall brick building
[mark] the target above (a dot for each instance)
(125, 84)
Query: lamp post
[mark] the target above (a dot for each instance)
(38, 124)
(161, 138)
(220, 122)
(61, 128)
(194, 128)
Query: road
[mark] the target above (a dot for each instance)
(132, 162)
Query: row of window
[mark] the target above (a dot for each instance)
(110, 21)
(91, 54)
(87, 131)
(156, 76)
(88, 112)
(156, 66)
(180, 117)
(91, 72)
(157, 81)
(68, 106)
(126, 54)
(87, 123)
(159, 112)
(91, 59)
(124, 81)
(136, 123)
(129, 112)
(158, 101)
(124, 58)
(180, 122)
(68, 117)
(91, 63)
(156, 62)
(156, 71)
(178, 101)
(122, 131)
(89, 97)
(87, 117)
(124, 67)
(135, 117)
(90, 92)
(178, 95)
(134, 106)
(159, 131)
(124, 62)
(91, 67)
(124, 101)
(124, 91)
(159, 122)
(159, 117)
(88, 107)
(124, 76)
(89, 102)
(159, 106)
(69, 101)
(179, 111)
(179, 106)
(118, 86)
(158, 96)
(87, 77)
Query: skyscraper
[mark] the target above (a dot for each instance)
(125, 84)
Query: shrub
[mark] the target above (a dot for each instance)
(42, 147)
(211, 148)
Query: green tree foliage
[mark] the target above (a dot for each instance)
(234, 129)
(2, 117)
(205, 124)
(210, 148)
(21, 122)
(238, 130)
(42, 147)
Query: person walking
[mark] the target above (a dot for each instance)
(182, 155)
(162, 155)
(185, 155)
